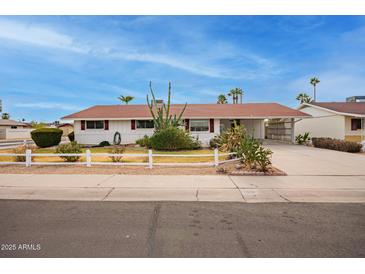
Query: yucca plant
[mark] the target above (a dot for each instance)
(161, 113)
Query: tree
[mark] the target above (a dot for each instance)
(235, 93)
(304, 98)
(162, 118)
(314, 81)
(126, 99)
(5, 116)
(222, 99)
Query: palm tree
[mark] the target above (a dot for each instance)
(126, 99)
(304, 98)
(235, 93)
(222, 99)
(5, 116)
(314, 81)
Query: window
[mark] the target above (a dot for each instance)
(13, 127)
(94, 124)
(145, 124)
(199, 125)
(355, 124)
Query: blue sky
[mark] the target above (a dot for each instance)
(51, 66)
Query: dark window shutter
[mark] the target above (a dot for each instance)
(106, 125)
(133, 124)
(211, 125)
(82, 124)
(187, 124)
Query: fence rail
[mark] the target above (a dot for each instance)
(88, 159)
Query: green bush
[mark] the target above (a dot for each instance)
(230, 140)
(173, 138)
(214, 142)
(72, 147)
(104, 144)
(302, 139)
(46, 137)
(71, 136)
(144, 142)
(254, 154)
(336, 144)
(117, 150)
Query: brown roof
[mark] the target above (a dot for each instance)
(251, 110)
(343, 107)
(8, 122)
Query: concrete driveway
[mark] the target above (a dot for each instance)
(303, 160)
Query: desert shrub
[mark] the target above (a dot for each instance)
(144, 142)
(230, 140)
(71, 136)
(117, 150)
(263, 157)
(72, 147)
(253, 154)
(173, 138)
(336, 144)
(214, 142)
(302, 139)
(21, 150)
(46, 137)
(104, 144)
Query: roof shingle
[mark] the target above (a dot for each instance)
(343, 107)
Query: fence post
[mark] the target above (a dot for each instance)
(150, 159)
(216, 157)
(88, 158)
(28, 158)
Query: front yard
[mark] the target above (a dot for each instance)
(126, 159)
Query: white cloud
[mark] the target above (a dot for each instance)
(47, 105)
(194, 63)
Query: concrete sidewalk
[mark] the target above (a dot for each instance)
(249, 189)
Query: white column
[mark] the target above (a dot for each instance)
(292, 130)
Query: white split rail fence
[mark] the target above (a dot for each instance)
(88, 159)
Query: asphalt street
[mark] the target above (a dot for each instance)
(180, 229)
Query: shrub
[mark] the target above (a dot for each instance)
(46, 137)
(302, 139)
(72, 147)
(21, 150)
(104, 144)
(263, 157)
(336, 144)
(230, 140)
(71, 136)
(214, 142)
(117, 150)
(173, 138)
(144, 142)
(253, 153)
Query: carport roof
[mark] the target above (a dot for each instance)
(225, 111)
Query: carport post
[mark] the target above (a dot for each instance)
(292, 130)
(150, 159)
(28, 158)
(88, 158)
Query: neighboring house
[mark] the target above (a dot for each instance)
(340, 120)
(11, 129)
(100, 123)
(67, 128)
